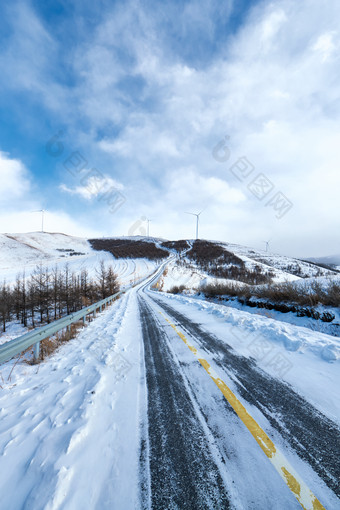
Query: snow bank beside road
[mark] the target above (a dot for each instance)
(292, 337)
(69, 426)
(308, 360)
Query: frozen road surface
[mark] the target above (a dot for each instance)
(164, 402)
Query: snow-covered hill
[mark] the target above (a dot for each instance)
(23, 252)
(333, 260)
(281, 267)
(288, 265)
(17, 249)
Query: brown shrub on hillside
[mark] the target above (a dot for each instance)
(286, 292)
(126, 248)
(179, 246)
(217, 261)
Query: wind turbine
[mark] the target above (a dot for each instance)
(267, 244)
(147, 219)
(42, 218)
(197, 219)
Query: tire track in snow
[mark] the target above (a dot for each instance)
(183, 473)
(311, 434)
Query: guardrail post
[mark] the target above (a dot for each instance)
(36, 351)
(84, 320)
(94, 313)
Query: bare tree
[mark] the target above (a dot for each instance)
(49, 294)
(5, 304)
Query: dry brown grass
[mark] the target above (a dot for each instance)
(287, 292)
(127, 248)
(177, 289)
(159, 284)
(50, 344)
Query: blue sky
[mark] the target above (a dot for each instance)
(140, 94)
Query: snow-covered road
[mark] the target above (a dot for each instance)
(125, 417)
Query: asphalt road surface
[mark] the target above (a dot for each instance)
(196, 453)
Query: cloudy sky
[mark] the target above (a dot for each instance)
(117, 111)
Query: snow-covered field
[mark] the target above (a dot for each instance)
(97, 425)
(323, 281)
(71, 427)
(23, 252)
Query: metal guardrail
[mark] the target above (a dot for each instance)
(14, 347)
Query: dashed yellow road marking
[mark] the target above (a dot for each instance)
(297, 486)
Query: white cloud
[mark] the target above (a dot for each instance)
(54, 221)
(19, 205)
(325, 45)
(203, 191)
(273, 89)
(21, 200)
(272, 24)
(28, 57)
(280, 109)
(14, 178)
(93, 187)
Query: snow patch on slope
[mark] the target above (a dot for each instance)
(23, 252)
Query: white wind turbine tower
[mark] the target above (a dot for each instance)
(197, 220)
(147, 219)
(42, 218)
(267, 245)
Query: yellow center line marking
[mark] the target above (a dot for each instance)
(300, 490)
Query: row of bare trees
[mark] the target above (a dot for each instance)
(48, 294)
